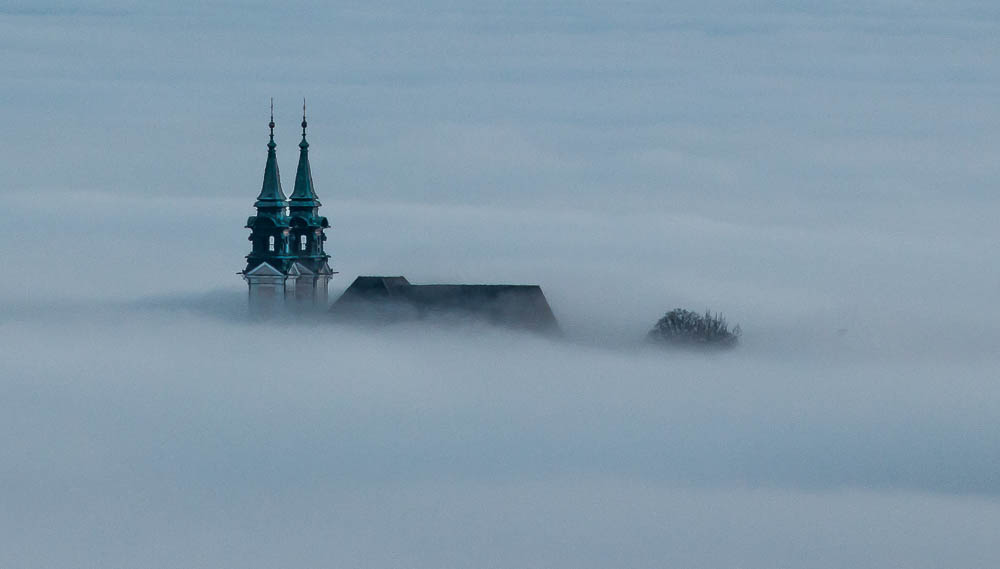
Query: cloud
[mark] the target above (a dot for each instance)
(137, 429)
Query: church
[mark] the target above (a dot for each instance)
(288, 269)
(395, 299)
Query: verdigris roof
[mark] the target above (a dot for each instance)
(395, 298)
(270, 191)
(304, 195)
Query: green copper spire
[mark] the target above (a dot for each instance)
(304, 196)
(270, 192)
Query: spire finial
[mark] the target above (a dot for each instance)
(303, 144)
(303, 116)
(270, 143)
(271, 124)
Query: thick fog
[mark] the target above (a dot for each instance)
(824, 176)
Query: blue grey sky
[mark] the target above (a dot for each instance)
(823, 174)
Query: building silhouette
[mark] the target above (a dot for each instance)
(394, 299)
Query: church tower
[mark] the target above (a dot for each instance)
(307, 233)
(287, 267)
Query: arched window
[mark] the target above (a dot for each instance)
(270, 243)
(302, 242)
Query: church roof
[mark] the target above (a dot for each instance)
(264, 269)
(299, 269)
(270, 191)
(395, 298)
(304, 195)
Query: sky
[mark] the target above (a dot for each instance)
(824, 175)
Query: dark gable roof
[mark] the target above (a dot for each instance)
(394, 298)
